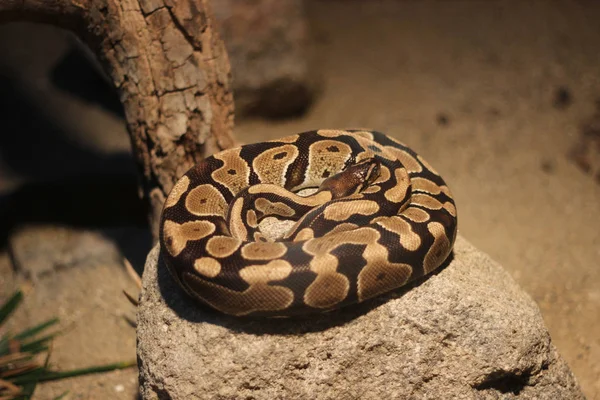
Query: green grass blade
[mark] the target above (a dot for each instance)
(38, 345)
(4, 345)
(28, 378)
(36, 329)
(54, 375)
(10, 305)
(62, 396)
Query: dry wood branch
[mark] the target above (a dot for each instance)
(170, 68)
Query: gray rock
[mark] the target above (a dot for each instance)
(466, 332)
(268, 46)
(39, 251)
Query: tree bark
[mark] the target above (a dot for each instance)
(170, 68)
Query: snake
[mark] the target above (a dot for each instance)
(363, 215)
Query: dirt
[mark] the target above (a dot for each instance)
(496, 95)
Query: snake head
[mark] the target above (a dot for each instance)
(353, 179)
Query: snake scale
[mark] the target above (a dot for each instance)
(380, 218)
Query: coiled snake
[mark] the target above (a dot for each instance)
(381, 217)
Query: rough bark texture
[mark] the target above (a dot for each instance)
(170, 69)
(467, 332)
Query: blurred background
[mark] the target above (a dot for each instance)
(502, 97)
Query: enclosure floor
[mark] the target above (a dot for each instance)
(472, 86)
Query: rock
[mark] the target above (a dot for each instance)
(40, 251)
(586, 150)
(466, 332)
(267, 43)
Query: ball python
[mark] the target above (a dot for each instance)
(381, 217)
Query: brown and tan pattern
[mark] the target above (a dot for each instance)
(381, 217)
(279, 159)
(206, 200)
(178, 190)
(222, 246)
(341, 212)
(325, 157)
(409, 239)
(263, 251)
(207, 266)
(234, 174)
(267, 207)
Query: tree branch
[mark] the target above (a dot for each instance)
(170, 68)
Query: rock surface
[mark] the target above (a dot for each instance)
(466, 332)
(268, 46)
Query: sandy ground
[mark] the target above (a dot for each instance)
(494, 94)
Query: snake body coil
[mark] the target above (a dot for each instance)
(382, 217)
